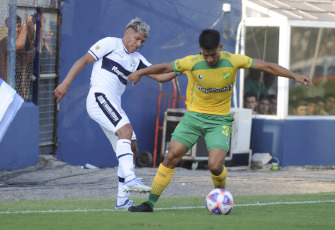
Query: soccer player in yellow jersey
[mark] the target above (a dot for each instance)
(211, 77)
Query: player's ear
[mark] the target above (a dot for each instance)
(221, 45)
(126, 32)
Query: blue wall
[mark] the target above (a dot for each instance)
(295, 142)
(19, 146)
(175, 26)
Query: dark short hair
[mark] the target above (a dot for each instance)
(18, 20)
(310, 100)
(209, 39)
(272, 96)
(250, 94)
(299, 102)
(264, 97)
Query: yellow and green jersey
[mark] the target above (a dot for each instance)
(209, 88)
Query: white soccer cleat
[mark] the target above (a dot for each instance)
(136, 185)
(124, 207)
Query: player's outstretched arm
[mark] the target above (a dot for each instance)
(62, 88)
(154, 69)
(278, 70)
(164, 77)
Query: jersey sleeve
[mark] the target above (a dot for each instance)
(243, 61)
(143, 63)
(102, 47)
(181, 65)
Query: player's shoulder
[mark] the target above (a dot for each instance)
(226, 54)
(109, 40)
(233, 57)
(193, 58)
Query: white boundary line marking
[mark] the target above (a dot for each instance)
(172, 208)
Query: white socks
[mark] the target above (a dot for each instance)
(122, 195)
(126, 167)
(126, 158)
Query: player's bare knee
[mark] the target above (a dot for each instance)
(215, 168)
(171, 160)
(125, 132)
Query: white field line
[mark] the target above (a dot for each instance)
(172, 208)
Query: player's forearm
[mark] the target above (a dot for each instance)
(77, 67)
(163, 77)
(280, 71)
(274, 69)
(157, 69)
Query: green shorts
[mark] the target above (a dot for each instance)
(215, 128)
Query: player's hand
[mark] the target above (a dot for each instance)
(304, 80)
(134, 77)
(60, 91)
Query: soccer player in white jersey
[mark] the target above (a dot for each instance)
(114, 59)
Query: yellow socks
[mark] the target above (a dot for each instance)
(161, 180)
(220, 180)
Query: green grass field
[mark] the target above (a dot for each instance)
(308, 211)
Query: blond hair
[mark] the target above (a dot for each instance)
(139, 26)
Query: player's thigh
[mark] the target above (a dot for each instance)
(217, 133)
(188, 130)
(108, 115)
(216, 159)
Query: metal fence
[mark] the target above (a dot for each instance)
(36, 56)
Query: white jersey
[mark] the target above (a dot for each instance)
(108, 81)
(112, 66)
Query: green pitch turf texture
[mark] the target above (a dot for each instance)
(308, 211)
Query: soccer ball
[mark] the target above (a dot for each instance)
(219, 202)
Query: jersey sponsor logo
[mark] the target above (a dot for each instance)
(108, 109)
(214, 90)
(116, 69)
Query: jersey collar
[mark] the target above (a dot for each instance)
(125, 49)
